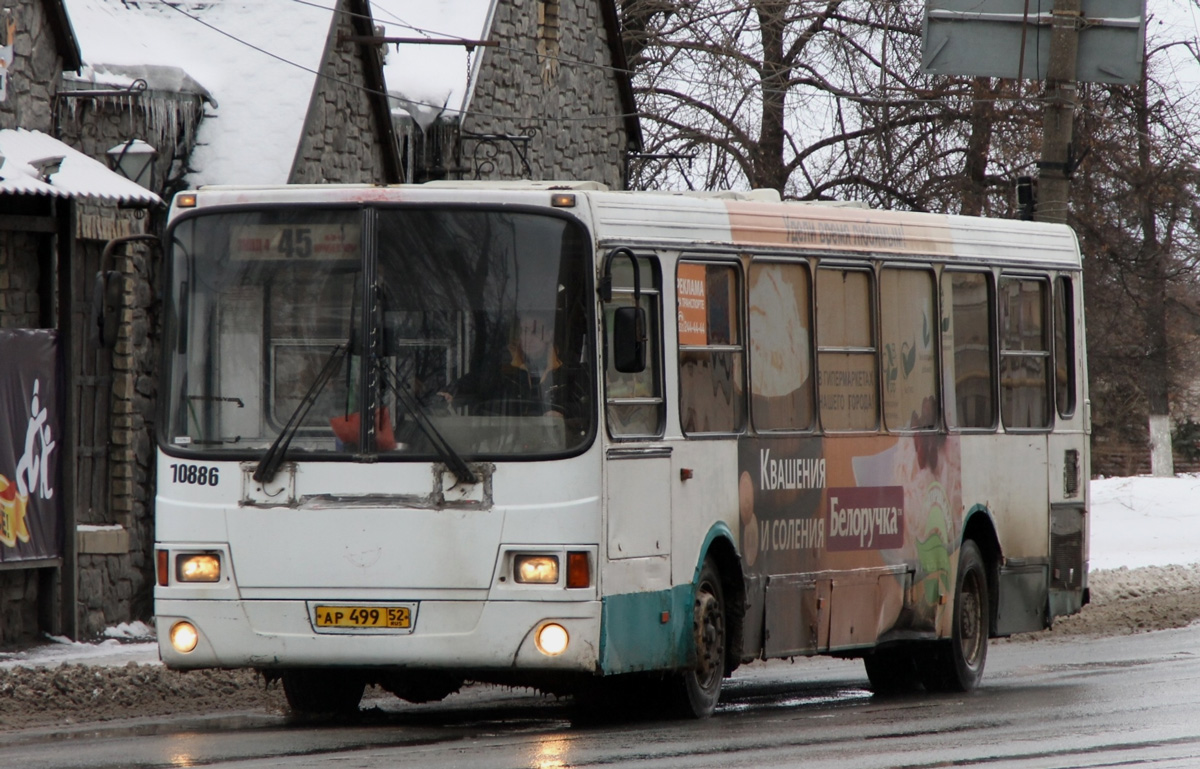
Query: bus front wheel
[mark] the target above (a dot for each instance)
(322, 691)
(698, 689)
(957, 665)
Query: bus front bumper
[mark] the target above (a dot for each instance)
(446, 635)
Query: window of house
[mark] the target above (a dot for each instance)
(908, 343)
(634, 402)
(968, 350)
(1025, 377)
(547, 39)
(846, 352)
(711, 354)
(781, 366)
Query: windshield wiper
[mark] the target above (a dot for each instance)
(445, 451)
(269, 464)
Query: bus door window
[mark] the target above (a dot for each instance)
(1025, 375)
(968, 350)
(846, 352)
(908, 343)
(711, 365)
(781, 366)
(635, 407)
(1064, 346)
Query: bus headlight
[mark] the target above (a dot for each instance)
(552, 639)
(199, 567)
(536, 569)
(184, 637)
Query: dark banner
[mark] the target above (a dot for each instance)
(31, 419)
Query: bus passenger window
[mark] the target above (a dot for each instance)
(711, 367)
(781, 381)
(634, 402)
(846, 354)
(968, 351)
(907, 340)
(1064, 347)
(1024, 353)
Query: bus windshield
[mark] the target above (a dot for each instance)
(454, 329)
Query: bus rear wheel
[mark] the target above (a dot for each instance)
(310, 692)
(697, 690)
(957, 665)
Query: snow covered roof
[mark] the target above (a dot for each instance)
(156, 77)
(431, 80)
(33, 163)
(257, 60)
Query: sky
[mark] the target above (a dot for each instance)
(1136, 522)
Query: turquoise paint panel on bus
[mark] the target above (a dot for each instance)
(633, 636)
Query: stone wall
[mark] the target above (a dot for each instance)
(19, 303)
(34, 73)
(340, 141)
(19, 591)
(115, 537)
(552, 78)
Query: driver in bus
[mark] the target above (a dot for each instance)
(532, 382)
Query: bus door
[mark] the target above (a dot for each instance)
(642, 630)
(638, 464)
(1027, 417)
(1068, 465)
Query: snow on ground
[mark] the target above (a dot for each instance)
(1145, 521)
(1136, 522)
(127, 642)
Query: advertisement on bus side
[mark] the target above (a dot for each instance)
(815, 504)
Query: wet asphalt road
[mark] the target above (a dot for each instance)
(1129, 701)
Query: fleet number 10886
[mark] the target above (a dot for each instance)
(196, 475)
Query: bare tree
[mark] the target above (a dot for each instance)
(1136, 207)
(826, 99)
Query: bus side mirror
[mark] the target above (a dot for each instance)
(629, 340)
(106, 306)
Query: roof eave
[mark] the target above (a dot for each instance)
(622, 73)
(373, 61)
(64, 35)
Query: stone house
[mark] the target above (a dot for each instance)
(536, 89)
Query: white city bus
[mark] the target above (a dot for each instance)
(610, 437)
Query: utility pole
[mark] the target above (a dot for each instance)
(1057, 163)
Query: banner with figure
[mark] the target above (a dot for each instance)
(31, 419)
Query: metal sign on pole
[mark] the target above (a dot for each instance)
(1014, 39)
(1059, 41)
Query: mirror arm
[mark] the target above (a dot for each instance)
(605, 287)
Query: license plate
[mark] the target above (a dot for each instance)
(364, 617)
